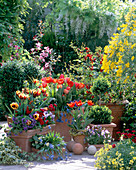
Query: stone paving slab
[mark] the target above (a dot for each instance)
(76, 162)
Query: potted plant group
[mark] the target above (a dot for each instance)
(80, 121)
(29, 116)
(97, 136)
(49, 146)
(102, 116)
(62, 91)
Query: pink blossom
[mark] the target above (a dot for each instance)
(16, 47)
(46, 65)
(32, 49)
(17, 54)
(11, 58)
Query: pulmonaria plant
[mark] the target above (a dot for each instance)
(49, 146)
(97, 135)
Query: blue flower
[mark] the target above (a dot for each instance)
(66, 120)
(49, 127)
(51, 146)
(61, 114)
(69, 121)
(43, 157)
(65, 114)
(68, 111)
(70, 155)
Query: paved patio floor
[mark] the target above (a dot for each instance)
(76, 162)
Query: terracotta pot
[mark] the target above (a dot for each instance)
(117, 112)
(62, 127)
(22, 139)
(109, 127)
(80, 139)
(9, 120)
(99, 146)
(55, 154)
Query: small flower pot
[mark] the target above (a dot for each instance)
(22, 139)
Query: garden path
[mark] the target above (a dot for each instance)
(76, 162)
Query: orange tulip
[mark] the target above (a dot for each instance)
(44, 84)
(81, 85)
(90, 103)
(79, 103)
(48, 79)
(72, 104)
(66, 91)
(59, 86)
(70, 83)
(60, 81)
(55, 80)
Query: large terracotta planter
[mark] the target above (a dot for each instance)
(62, 127)
(117, 113)
(22, 139)
(109, 127)
(55, 154)
(80, 139)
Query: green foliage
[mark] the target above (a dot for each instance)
(122, 156)
(80, 121)
(101, 85)
(48, 145)
(12, 75)
(129, 116)
(11, 23)
(100, 114)
(10, 153)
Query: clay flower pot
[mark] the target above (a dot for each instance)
(22, 139)
(117, 112)
(62, 127)
(80, 139)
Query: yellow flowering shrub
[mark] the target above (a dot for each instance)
(120, 55)
(120, 156)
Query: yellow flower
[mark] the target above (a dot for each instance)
(47, 144)
(36, 116)
(14, 105)
(132, 58)
(127, 65)
(28, 122)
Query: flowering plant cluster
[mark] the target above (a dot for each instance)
(97, 135)
(49, 145)
(128, 135)
(88, 65)
(29, 111)
(45, 56)
(61, 91)
(120, 56)
(119, 156)
(80, 117)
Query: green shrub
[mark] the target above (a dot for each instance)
(100, 114)
(129, 116)
(121, 156)
(12, 76)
